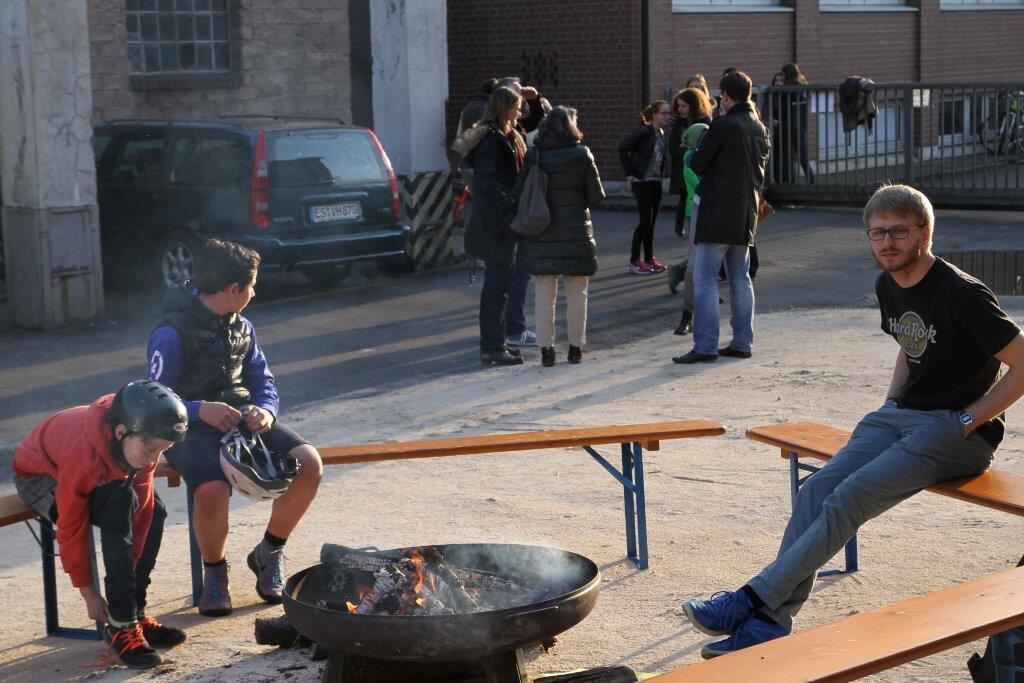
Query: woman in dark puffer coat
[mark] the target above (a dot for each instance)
(567, 246)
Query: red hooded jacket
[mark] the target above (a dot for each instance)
(73, 447)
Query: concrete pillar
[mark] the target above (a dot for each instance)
(410, 81)
(48, 176)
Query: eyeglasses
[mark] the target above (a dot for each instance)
(899, 232)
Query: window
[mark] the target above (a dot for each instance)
(139, 162)
(210, 162)
(686, 6)
(865, 6)
(167, 36)
(324, 158)
(99, 145)
(981, 4)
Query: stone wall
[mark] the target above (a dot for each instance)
(292, 58)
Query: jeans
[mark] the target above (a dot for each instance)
(648, 202)
(515, 309)
(494, 296)
(575, 308)
(893, 453)
(691, 259)
(111, 508)
(705, 294)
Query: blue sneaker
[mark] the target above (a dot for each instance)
(721, 614)
(753, 631)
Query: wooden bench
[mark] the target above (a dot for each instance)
(996, 489)
(14, 510)
(633, 439)
(874, 641)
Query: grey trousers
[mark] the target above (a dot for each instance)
(893, 453)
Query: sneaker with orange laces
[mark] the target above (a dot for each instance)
(655, 266)
(158, 635)
(130, 646)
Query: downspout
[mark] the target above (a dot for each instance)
(645, 52)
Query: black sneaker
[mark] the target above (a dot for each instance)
(130, 646)
(158, 635)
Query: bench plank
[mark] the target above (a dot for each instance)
(14, 510)
(874, 641)
(996, 489)
(647, 434)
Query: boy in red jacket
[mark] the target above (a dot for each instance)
(94, 465)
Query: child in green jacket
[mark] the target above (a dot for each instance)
(677, 273)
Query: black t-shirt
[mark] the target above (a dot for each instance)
(950, 327)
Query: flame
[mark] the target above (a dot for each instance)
(417, 562)
(350, 607)
(420, 602)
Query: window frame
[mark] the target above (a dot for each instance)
(729, 6)
(197, 79)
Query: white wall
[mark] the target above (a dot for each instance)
(410, 81)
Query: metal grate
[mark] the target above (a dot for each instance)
(1002, 271)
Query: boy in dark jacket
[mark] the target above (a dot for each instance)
(93, 465)
(208, 353)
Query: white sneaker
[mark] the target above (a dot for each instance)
(527, 338)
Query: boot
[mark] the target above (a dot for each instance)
(685, 324)
(575, 354)
(216, 598)
(267, 563)
(158, 635)
(502, 357)
(131, 646)
(547, 356)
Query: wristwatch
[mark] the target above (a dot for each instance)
(966, 419)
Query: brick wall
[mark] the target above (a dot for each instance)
(294, 59)
(594, 45)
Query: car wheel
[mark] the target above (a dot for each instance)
(402, 263)
(324, 277)
(176, 257)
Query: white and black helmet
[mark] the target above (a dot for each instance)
(254, 470)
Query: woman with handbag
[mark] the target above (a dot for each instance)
(495, 150)
(566, 247)
(644, 155)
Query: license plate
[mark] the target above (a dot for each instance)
(349, 211)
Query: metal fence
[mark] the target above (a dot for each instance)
(961, 144)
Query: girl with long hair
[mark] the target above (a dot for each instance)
(794, 128)
(495, 150)
(567, 247)
(643, 156)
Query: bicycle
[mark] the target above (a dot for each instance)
(1002, 133)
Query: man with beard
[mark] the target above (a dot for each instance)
(942, 418)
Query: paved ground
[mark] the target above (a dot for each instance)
(378, 332)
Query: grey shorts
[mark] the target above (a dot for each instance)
(39, 493)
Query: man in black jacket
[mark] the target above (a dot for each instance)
(730, 161)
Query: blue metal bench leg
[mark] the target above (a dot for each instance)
(52, 614)
(195, 556)
(629, 503)
(641, 504)
(850, 551)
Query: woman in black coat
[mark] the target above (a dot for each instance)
(794, 127)
(495, 151)
(643, 154)
(567, 247)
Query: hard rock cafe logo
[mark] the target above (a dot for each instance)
(912, 334)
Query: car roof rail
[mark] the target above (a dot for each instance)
(174, 123)
(277, 117)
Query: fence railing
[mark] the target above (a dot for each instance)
(962, 144)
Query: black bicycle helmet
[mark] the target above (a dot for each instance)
(148, 407)
(252, 469)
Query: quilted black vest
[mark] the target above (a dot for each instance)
(213, 349)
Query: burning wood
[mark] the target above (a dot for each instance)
(421, 583)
